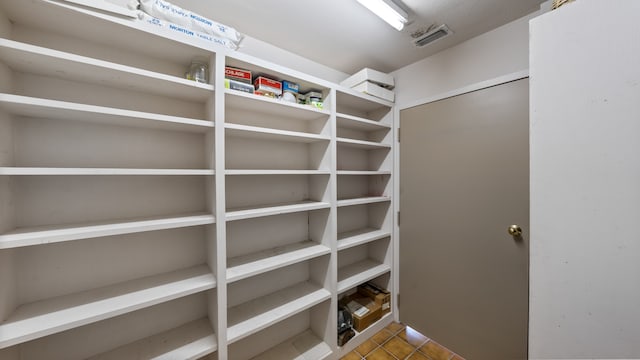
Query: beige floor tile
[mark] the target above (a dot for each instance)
(394, 327)
(382, 336)
(352, 356)
(366, 347)
(380, 354)
(412, 337)
(398, 347)
(417, 356)
(435, 351)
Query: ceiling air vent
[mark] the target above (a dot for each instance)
(431, 36)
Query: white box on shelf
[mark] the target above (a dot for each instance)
(374, 76)
(375, 90)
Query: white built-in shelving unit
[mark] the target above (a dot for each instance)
(143, 215)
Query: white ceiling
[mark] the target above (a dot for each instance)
(344, 35)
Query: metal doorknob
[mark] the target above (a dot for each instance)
(515, 230)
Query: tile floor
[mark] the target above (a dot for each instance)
(398, 342)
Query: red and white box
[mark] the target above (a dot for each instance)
(236, 74)
(263, 84)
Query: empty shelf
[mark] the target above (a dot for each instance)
(52, 234)
(355, 274)
(62, 110)
(358, 123)
(363, 200)
(248, 265)
(187, 342)
(353, 238)
(275, 172)
(363, 103)
(361, 144)
(99, 171)
(363, 172)
(255, 132)
(305, 346)
(267, 210)
(29, 58)
(250, 317)
(42, 318)
(265, 105)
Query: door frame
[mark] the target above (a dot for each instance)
(519, 75)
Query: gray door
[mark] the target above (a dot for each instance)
(464, 179)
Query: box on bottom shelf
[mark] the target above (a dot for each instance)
(381, 296)
(364, 310)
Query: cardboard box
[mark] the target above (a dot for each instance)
(364, 311)
(266, 85)
(370, 75)
(375, 90)
(380, 296)
(236, 74)
(239, 86)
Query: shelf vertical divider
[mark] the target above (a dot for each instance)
(332, 337)
(218, 66)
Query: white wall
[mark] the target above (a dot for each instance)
(499, 52)
(585, 182)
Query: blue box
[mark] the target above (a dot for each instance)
(290, 86)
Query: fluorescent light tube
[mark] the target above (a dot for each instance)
(387, 11)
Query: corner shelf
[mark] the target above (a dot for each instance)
(62, 110)
(241, 267)
(255, 132)
(359, 123)
(353, 238)
(53, 234)
(26, 171)
(235, 172)
(363, 172)
(300, 347)
(353, 275)
(259, 211)
(187, 342)
(42, 318)
(250, 317)
(361, 144)
(266, 105)
(29, 58)
(363, 200)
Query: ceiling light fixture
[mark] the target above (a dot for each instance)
(387, 11)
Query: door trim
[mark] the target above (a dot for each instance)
(515, 76)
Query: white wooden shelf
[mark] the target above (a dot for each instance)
(250, 317)
(42, 318)
(304, 346)
(53, 234)
(353, 275)
(269, 210)
(99, 171)
(255, 132)
(361, 144)
(363, 200)
(275, 172)
(364, 172)
(265, 105)
(353, 238)
(367, 333)
(241, 267)
(62, 110)
(358, 123)
(187, 342)
(361, 102)
(43, 61)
